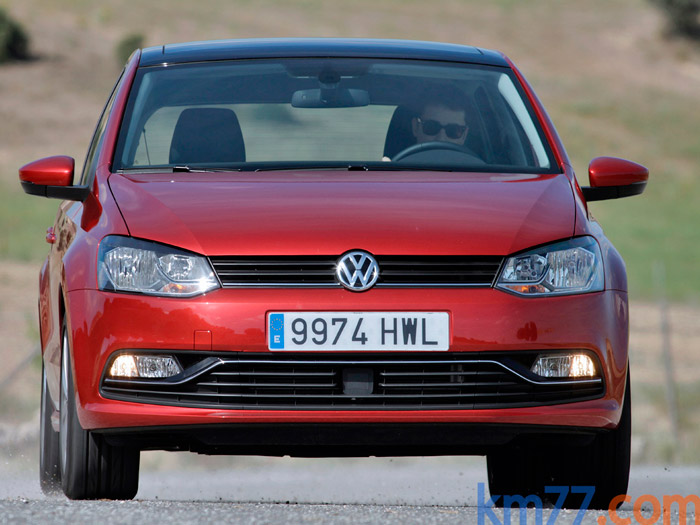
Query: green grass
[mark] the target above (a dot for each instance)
(597, 112)
(662, 226)
(24, 220)
(659, 228)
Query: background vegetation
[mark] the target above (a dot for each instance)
(683, 17)
(14, 43)
(612, 84)
(610, 79)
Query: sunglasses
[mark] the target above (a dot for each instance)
(433, 127)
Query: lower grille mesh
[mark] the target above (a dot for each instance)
(321, 382)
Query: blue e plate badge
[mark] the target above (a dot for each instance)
(276, 331)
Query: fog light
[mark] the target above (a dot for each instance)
(148, 366)
(567, 365)
(124, 366)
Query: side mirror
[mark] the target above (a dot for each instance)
(52, 177)
(613, 178)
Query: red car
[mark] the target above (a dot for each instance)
(323, 247)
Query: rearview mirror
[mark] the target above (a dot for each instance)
(52, 177)
(330, 98)
(613, 178)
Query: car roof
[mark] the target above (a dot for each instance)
(317, 47)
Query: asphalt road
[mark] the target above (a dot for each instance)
(285, 490)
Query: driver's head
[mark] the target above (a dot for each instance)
(442, 117)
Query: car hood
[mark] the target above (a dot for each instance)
(331, 212)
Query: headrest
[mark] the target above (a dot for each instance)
(204, 135)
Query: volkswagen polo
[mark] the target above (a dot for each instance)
(329, 247)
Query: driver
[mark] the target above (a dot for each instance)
(442, 118)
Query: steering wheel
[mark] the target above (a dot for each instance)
(430, 146)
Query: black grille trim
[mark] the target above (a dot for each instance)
(247, 381)
(394, 271)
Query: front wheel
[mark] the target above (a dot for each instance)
(604, 464)
(49, 470)
(91, 468)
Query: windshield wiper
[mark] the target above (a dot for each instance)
(201, 169)
(379, 166)
(310, 167)
(176, 169)
(384, 166)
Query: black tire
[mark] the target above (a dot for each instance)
(611, 456)
(91, 468)
(604, 463)
(49, 469)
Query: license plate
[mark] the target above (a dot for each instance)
(358, 331)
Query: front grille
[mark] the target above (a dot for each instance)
(356, 382)
(319, 271)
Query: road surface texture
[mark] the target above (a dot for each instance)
(354, 491)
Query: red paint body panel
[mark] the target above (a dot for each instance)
(396, 213)
(79, 227)
(543, 117)
(51, 171)
(611, 171)
(482, 320)
(115, 118)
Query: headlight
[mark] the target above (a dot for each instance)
(563, 268)
(126, 264)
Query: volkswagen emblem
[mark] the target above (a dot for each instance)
(357, 271)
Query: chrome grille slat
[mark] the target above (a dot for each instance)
(268, 385)
(426, 385)
(316, 382)
(272, 262)
(428, 374)
(386, 274)
(283, 374)
(263, 273)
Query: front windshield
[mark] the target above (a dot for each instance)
(330, 112)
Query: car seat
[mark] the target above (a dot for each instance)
(399, 135)
(207, 135)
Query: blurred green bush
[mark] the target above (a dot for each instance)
(14, 42)
(683, 17)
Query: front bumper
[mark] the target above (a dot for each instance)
(347, 439)
(482, 320)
